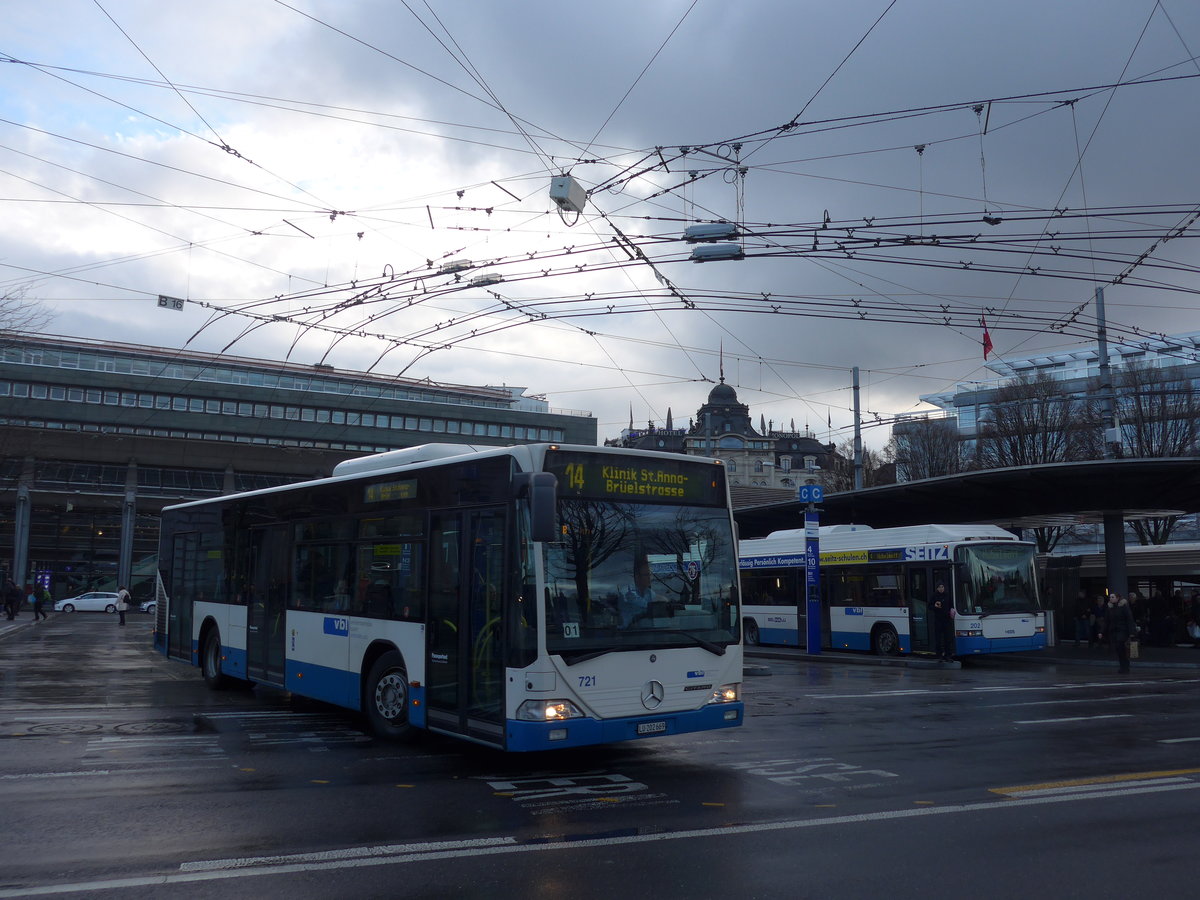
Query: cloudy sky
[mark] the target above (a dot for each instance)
(301, 172)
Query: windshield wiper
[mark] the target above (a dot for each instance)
(572, 659)
(575, 658)
(717, 649)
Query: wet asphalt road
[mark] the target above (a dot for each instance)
(124, 776)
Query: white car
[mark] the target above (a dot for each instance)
(93, 601)
(150, 606)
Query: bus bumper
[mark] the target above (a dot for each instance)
(971, 646)
(582, 732)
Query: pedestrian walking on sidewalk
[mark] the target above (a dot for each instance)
(12, 599)
(1118, 628)
(41, 596)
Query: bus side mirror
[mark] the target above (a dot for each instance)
(541, 492)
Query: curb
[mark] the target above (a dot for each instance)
(853, 659)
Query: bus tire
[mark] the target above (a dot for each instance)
(386, 698)
(751, 632)
(885, 641)
(210, 661)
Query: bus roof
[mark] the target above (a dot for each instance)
(863, 537)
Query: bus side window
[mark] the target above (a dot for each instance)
(408, 600)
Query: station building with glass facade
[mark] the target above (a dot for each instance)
(96, 438)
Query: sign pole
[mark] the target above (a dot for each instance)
(811, 495)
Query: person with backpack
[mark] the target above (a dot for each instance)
(41, 596)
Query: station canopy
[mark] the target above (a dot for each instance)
(1018, 498)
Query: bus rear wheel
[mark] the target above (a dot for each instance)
(752, 633)
(210, 661)
(386, 700)
(884, 641)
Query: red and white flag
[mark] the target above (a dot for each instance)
(987, 338)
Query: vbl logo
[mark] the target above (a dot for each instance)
(337, 625)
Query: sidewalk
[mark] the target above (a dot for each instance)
(1177, 657)
(21, 622)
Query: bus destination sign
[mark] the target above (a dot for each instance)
(385, 491)
(888, 554)
(605, 477)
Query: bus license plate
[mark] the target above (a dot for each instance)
(651, 727)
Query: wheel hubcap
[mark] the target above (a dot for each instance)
(390, 695)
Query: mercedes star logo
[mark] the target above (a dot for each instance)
(652, 694)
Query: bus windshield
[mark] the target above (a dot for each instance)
(997, 578)
(628, 576)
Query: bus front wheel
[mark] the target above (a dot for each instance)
(210, 661)
(884, 641)
(387, 698)
(752, 633)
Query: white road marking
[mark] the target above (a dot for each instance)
(1107, 699)
(1031, 688)
(32, 775)
(1088, 788)
(509, 845)
(347, 853)
(1178, 740)
(1070, 719)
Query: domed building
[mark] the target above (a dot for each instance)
(762, 457)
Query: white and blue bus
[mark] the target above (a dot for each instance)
(478, 592)
(875, 584)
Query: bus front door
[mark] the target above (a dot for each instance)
(266, 612)
(464, 671)
(920, 623)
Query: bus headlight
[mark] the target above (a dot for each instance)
(970, 633)
(726, 693)
(548, 710)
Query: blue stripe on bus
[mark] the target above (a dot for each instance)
(856, 640)
(523, 736)
(235, 661)
(322, 683)
(971, 645)
(416, 706)
(786, 637)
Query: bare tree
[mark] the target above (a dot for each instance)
(1049, 536)
(842, 478)
(1157, 410)
(926, 448)
(1030, 421)
(1158, 416)
(19, 315)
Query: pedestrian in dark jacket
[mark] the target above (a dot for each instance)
(1097, 620)
(12, 599)
(1083, 618)
(942, 612)
(41, 596)
(1118, 628)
